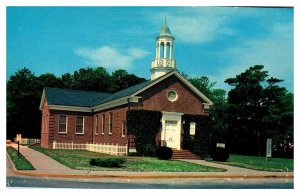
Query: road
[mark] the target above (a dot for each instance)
(24, 182)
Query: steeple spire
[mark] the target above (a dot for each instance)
(163, 62)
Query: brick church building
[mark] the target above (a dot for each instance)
(97, 117)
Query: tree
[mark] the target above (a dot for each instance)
(217, 111)
(122, 80)
(48, 80)
(24, 91)
(204, 85)
(91, 79)
(255, 105)
(22, 99)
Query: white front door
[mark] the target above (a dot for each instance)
(171, 129)
(171, 133)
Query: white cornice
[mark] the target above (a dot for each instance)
(70, 108)
(117, 102)
(42, 100)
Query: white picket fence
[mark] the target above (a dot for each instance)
(28, 141)
(101, 148)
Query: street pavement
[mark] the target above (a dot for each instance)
(33, 182)
(47, 167)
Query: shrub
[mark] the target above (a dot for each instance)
(220, 154)
(199, 143)
(107, 162)
(145, 126)
(164, 153)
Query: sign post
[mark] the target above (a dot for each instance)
(19, 139)
(18, 148)
(269, 149)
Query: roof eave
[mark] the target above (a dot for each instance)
(183, 79)
(116, 102)
(42, 100)
(71, 108)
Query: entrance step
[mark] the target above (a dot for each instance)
(184, 154)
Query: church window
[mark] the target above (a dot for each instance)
(110, 123)
(172, 95)
(192, 128)
(79, 125)
(62, 124)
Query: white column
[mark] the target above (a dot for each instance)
(157, 50)
(158, 56)
(171, 50)
(165, 49)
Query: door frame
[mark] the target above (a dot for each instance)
(174, 116)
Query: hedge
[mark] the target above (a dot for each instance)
(145, 126)
(107, 162)
(200, 141)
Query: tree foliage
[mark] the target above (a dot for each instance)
(257, 109)
(217, 112)
(24, 91)
(145, 126)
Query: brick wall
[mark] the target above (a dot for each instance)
(70, 135)
(118, 117)
(155, 98)
(45, 126)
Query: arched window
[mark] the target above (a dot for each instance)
(168, 50)
(162, 47)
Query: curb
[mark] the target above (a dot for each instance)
(53, 175)
(198, 176)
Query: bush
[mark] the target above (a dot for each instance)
(145, 126)
(220, 154)
(164, 153)
(199, 142)
(107, 162)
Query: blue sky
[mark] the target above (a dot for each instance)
(218, 42)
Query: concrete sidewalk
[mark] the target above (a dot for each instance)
(47, 167)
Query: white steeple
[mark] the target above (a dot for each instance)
(163, 62)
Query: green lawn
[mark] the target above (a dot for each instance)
(21, 163)
(79, 159)
(260, 163)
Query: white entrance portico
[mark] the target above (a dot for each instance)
(171, 129)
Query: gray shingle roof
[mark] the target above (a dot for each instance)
(67, 97)
(125, 92)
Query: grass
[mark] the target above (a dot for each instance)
(260, 163)
(79, 159)
(21, 163)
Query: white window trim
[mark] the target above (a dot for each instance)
(82, 126)
(96, 125)
(123, 128)
(194, 131)
(175, 93)
(103, 124)
(66, 124)
(110, 123)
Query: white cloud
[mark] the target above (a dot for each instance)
(275, 52)
(111, 57)
(200, 24)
